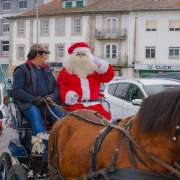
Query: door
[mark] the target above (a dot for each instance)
(111, 26)
(111, 99)
(120, 100)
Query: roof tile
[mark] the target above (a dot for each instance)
(55, 7)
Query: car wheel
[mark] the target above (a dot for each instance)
(17, 172)
(5, 165)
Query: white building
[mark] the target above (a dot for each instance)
(11, 8)
(157, 46)
(137, 38)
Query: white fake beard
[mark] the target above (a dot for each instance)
(80, 66)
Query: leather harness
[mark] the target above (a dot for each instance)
(132, 146)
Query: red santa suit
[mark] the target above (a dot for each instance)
(83, 93)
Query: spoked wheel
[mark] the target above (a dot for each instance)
(5, 165)
(17, 172)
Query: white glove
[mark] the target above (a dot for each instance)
(102, 65)
(71, 98)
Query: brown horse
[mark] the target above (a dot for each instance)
(154, 132)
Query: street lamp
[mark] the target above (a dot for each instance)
(37, 21)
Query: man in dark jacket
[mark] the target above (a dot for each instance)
(33, 81)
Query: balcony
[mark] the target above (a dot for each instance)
(114, 34)
(122, 61)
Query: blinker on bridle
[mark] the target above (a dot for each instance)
(177, 133)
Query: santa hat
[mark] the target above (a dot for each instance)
(80, 47)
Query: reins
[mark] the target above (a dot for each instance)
(150, 156)
(126, 133)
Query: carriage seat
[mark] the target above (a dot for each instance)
(21, 123)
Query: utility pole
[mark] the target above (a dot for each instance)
(37, 21)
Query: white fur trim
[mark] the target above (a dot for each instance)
(38, 146)
(71, 98)
(85, 89)
(101, 64)
(86, 104)
(82, 50)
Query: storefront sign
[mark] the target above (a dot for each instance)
(163, 67)
(158, 67)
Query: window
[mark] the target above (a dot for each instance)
(60, 51)
(6, 5)
(174, 25)
(44, 27)
(68, 4)
(121, 91)
(174, 52)
(5, 48)
(22, 4)
(110, 51)
(20, 28)
(151, 25)
(76, 25)
(20, 52)
(5, 26)
(134, 92)
(60, 26)
(112, 88)
(40, 2)
(150, 52)
(79, 4)
(111, 25)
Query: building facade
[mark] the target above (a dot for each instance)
(11, 8)
(157, 44)
(138, 39)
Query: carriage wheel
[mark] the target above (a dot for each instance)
(17, 172)
(5, 165)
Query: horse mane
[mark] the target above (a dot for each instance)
(160, 112)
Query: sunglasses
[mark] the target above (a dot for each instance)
(44, 52)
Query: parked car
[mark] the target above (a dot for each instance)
(166, 75)
(126, 96)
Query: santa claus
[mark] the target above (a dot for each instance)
(80, 79)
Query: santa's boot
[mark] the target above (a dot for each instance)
(39, 143)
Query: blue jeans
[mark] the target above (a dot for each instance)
(35, 116)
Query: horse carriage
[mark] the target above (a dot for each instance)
(17, 162)
(83, 145)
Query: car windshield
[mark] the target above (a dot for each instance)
(169, 75)
(153, 89)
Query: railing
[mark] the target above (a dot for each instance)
(111, 34)
(118, 61)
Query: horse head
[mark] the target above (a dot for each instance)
(159, 119)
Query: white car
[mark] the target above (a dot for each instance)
(126, 96)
